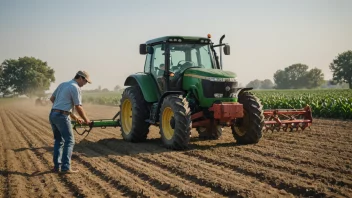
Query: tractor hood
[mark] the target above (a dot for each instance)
(206, 73)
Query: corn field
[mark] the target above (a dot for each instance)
(333, 103)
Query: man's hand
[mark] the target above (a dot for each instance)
(81, 112)
(88, 121)
(80, 121)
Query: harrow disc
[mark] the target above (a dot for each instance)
(287, 119)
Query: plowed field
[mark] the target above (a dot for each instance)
(315, 162)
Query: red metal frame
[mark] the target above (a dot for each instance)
(290, 119)
(224, 113)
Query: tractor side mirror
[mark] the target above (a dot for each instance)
(227, 49)
(142, 49)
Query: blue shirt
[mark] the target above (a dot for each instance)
(67, 94)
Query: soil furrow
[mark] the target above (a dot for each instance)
(318, 131)
(157, 177)
(4, 176)
(227, 185)
(296, 148)
(317, 173)
(77, 157)
(319, 143)
(153, 180)
(276, 178)
(125, 182)
(31, 165)
(312, 163)
(38, 149)
(306, 160)
(90, 187)
(189, 176)
(17, 181)
(291, 184)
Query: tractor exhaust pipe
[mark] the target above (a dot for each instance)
(222, 38)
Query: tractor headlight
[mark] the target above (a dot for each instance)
(217, 79)
(214, 79)
(218, 95)
(233, 95)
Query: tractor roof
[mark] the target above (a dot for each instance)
(166, 38)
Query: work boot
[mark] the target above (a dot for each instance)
(70, 171)
(55, 170)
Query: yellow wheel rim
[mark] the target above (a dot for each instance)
(166, 126)
(126, 116)
(241, 131)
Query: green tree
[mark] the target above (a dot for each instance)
(342, 68)
(27, 75)
(314, 78)
(256, 84)
(297, 76)
(281, 80)
(267, 84)
(3, 88)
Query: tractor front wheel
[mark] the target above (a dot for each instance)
(248, 130)
(175, 122)
(133, 114)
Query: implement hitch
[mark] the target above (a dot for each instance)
(103, 123)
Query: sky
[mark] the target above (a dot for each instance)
(102, 37)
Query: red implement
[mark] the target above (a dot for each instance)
(276, 119)
(224, 114)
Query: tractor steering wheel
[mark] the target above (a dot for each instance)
(179, 63)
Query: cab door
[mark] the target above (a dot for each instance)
(157, 66)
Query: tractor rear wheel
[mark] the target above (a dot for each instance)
(248, 130)
(133, 114)
(175, 122)
(212, 132)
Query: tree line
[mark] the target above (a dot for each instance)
(298, 76)
(32, 77)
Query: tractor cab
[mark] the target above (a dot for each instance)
(169, 57)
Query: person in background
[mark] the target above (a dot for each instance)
(66, 98)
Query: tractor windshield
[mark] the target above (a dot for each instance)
(190, 55)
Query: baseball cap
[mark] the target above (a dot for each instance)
(85, 75)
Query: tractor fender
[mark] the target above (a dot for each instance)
(147, 84)
(160, 102)
(195, 92)
(239, 91)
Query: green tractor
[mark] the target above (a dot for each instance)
(182, 87)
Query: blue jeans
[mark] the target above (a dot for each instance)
(64, 140)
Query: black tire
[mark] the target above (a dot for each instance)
(248, 130)
(212, 132)
(137, 129)
(175, 122)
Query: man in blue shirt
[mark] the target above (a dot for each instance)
(66, 98)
